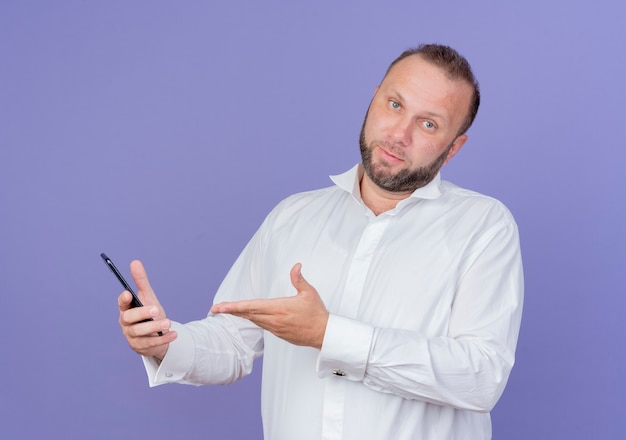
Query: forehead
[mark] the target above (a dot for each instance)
(421, 83)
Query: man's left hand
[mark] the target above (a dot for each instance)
(299, 319)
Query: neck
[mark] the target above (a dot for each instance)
(377, 199)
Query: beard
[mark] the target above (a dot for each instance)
(405, 180)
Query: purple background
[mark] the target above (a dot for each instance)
(166, 131)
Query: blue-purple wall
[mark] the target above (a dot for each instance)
(166, 131)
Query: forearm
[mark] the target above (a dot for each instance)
(464, 372)
(215, 350)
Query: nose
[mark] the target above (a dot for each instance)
(402, 130)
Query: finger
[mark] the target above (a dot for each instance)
(124, 300)
(152, 345)
(232, 307)
(138, 314)
(149, 328)
(250, 307)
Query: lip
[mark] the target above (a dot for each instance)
(387, 156)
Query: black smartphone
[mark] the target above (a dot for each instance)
(135, 302)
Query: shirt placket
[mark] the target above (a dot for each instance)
(334, 393)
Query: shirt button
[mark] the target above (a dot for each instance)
(169, 374)
(338, 372)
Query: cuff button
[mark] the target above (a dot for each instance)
(338, 372)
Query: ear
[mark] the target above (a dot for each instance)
(455, 147)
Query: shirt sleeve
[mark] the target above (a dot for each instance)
(217, 350)
(220, 348)
(346, 347)
(466, 368)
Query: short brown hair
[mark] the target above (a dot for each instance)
(455, 66)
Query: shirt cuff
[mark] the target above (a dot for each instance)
(177, 361)
(345, 349)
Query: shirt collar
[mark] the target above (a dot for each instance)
(349, 182)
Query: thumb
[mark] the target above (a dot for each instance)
(141, 280)
(297, 280)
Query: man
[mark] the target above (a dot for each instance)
(406, 324)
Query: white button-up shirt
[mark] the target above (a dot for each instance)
(425, 304)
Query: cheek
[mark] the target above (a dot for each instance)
(424, 151)
(375, 127)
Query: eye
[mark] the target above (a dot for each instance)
(394, 105)
(429, 125)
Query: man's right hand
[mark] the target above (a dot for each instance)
(142, 336)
